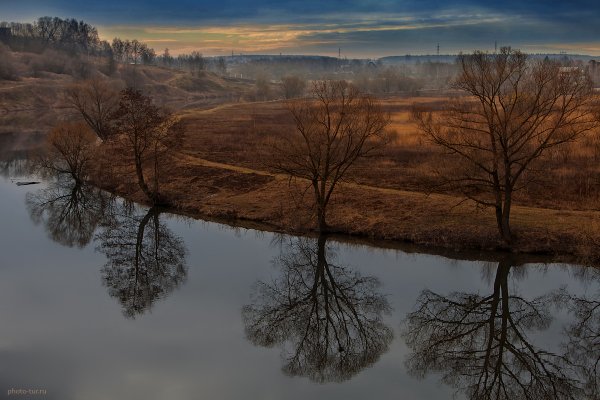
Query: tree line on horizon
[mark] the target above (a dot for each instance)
(48, 35)
(78, 37)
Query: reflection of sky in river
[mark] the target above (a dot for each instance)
(62, 332)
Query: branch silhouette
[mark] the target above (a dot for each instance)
(326, 318)
(69, 210)
(480, 344)
(145, 260)
(582, 347)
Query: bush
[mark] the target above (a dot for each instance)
(50, 61)
(7, 68)
(293, 86)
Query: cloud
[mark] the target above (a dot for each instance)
(252, 38)
(161, 41)
(361, 27)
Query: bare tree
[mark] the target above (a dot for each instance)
(148, 133)
(263, 88)
(136, 51)
(166, 58)
(69, 150)
(517, 109)
(96, 100)
(335, 127)
(118, 48)
(293, 86)
(7, 68)
(48, 28)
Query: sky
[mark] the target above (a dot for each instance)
(357, 28)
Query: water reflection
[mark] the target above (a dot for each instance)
(488, 341)
(582, 347)
(481, 344)
(69, 211)
(326, 318)
(14, 165)
(145, 259)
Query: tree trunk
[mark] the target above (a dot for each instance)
(321, 205)
(322, 224)
(503, 222)
(499, 218)
(321, 258)
(506, 233)
(141, 181)
(157, 200)
(502, 207)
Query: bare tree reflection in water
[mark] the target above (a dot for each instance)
(146, 260)
(480, 344)
(327, 318)
(69, 211)
(582, 347)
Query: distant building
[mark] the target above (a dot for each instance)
(5, 35)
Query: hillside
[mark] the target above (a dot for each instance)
(451, 58)
(32, 91)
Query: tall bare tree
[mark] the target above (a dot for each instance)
(334, 128)
(148, 133)
(517, 109)
(96, 100)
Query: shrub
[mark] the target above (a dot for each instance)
(7, 68)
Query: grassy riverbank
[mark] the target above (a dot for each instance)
(222, 171)
(377, 213)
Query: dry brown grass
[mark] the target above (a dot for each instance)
(222, 172)
(567, 178)
(208, 189)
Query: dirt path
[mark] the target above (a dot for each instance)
(448, 199)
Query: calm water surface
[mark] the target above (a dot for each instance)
(100, 299)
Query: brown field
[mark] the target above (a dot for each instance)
(222, 172)
(237, 134)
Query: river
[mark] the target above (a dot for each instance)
(104, 299)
